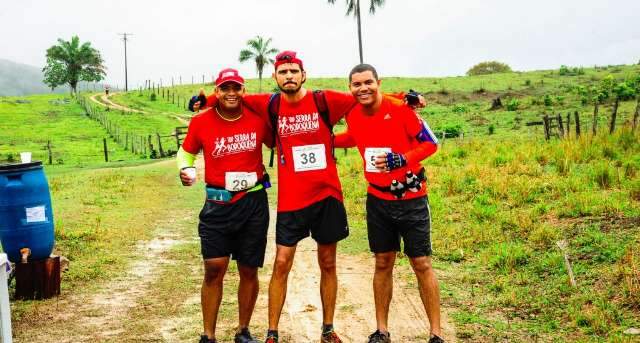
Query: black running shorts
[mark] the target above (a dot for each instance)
(388, 220)
(238, 229)
(325, 220)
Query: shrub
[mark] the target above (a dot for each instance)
(452, 130)
(603, 176)
(527, 83)
(11, 157)
(547, 100)
(512, 104)
(492, 129)
(489, 67)
(567, 71)
(152, 97)
(508, 256)
(459, 108)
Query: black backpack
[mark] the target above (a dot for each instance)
(274, 108)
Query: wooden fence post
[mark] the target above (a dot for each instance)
(636, 115)
(150, 144)
(177, 138)
(560, 125)
(568, 131)
(50, 153)
(106, 152)
(577, 118)
(594, 128)
(614, 114)
(545, 120)
(160, 145)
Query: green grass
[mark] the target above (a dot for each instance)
(75, 139)
(501, 197)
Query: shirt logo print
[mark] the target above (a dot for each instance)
(234, 144)
(300, 123)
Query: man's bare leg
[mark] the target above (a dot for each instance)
(278, 285)
(211, 293)
(429, 291)
(383, 287)
(328, 280)
(247, 294)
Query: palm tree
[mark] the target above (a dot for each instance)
(68, 62)
(353, 7)
(258, 50)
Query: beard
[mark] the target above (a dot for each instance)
(290, 90)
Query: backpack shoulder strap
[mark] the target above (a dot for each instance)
(321, 103)
(273, 109)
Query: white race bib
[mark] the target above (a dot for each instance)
(239, 181)
(309, 157)
(369, 158)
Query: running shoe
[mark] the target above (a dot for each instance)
(436, 339)
(206, 339)
(330, 337)
(244, 336)
(379, 337)
(271, 339)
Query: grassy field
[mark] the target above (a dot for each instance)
(501, 199)
(28, 123)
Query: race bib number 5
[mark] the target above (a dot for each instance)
(309, 157)
(239, 181)
(369, 158)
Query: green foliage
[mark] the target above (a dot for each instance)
(153, 97)
(625, 90)
(451, 130)
(567, 71)
(490, 67)
(547, 100)
(492, 129)
(506, 257)
(68, 62)
(513, 104)
(459, 108)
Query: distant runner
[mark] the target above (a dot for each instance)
(235, 217)
(392, 141)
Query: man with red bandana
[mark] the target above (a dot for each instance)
(309, 191)
(235, 217)
(392, 141)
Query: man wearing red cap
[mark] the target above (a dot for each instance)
(235, 217)
(392, 141)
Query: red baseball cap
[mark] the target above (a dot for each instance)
(287, 57)
(229, 75)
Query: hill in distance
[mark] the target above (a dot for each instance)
(17, 79)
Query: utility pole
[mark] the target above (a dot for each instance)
(124, 39)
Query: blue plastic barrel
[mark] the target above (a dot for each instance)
(26, 218)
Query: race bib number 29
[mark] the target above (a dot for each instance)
(239, 181)
(309, 157)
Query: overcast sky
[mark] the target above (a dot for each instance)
(404, 38)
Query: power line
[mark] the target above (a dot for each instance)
(124, 39)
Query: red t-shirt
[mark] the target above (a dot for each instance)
(392, 129)
(309, 172)
(232, 149)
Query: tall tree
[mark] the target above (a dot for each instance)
(353, 8)
(69, 62)
(258, 49)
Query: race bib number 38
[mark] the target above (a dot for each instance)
(239, 181)
(369, 158)
(309, 157)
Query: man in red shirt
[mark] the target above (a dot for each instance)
(309, 191)
(392, 141)
(235, 217)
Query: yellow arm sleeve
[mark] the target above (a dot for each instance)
(185, 159)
